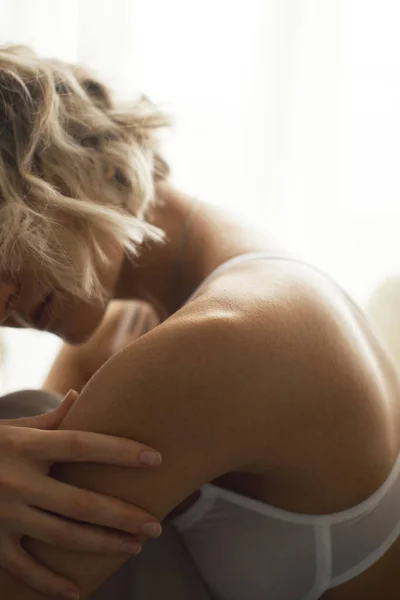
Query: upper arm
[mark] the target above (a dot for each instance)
(177, 389)
(184, 389)
(211, 398)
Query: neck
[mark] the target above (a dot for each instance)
(165, 274)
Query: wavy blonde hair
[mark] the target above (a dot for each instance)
(75, 168)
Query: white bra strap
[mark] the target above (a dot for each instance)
(234, 261)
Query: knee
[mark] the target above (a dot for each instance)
(27, 403)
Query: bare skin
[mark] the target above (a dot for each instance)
(123, 323)
(267, 347)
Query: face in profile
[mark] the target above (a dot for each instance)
(77, 174)
(29, 303)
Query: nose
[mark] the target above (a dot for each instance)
(8, 289)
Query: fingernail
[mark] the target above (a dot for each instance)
(131, 548)
(153, 530)
(71, 595)
(150, 458)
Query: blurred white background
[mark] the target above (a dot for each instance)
(287, 113)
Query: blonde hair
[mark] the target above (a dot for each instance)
(75, 169)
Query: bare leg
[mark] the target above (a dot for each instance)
(163, 571)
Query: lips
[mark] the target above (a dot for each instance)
(41, 316)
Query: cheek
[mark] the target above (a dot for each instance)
(75, 321)
(109, 273)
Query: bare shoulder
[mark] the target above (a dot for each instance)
(273, 378)
(299, 356)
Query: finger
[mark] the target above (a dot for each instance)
(58, 415)
(154, 320)
(79, 537)
(89, 507)
(84, 446)
(20, 564)
(139, 323)
(148, 323)
(53, 419)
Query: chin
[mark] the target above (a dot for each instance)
(75, 338)
(80, 328)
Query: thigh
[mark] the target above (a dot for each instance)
(163, 570)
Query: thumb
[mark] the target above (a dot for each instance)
(50, 420)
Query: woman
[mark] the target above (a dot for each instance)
(272, 401)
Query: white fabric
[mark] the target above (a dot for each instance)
(248, 550)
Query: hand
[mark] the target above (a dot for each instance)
(33, 504)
